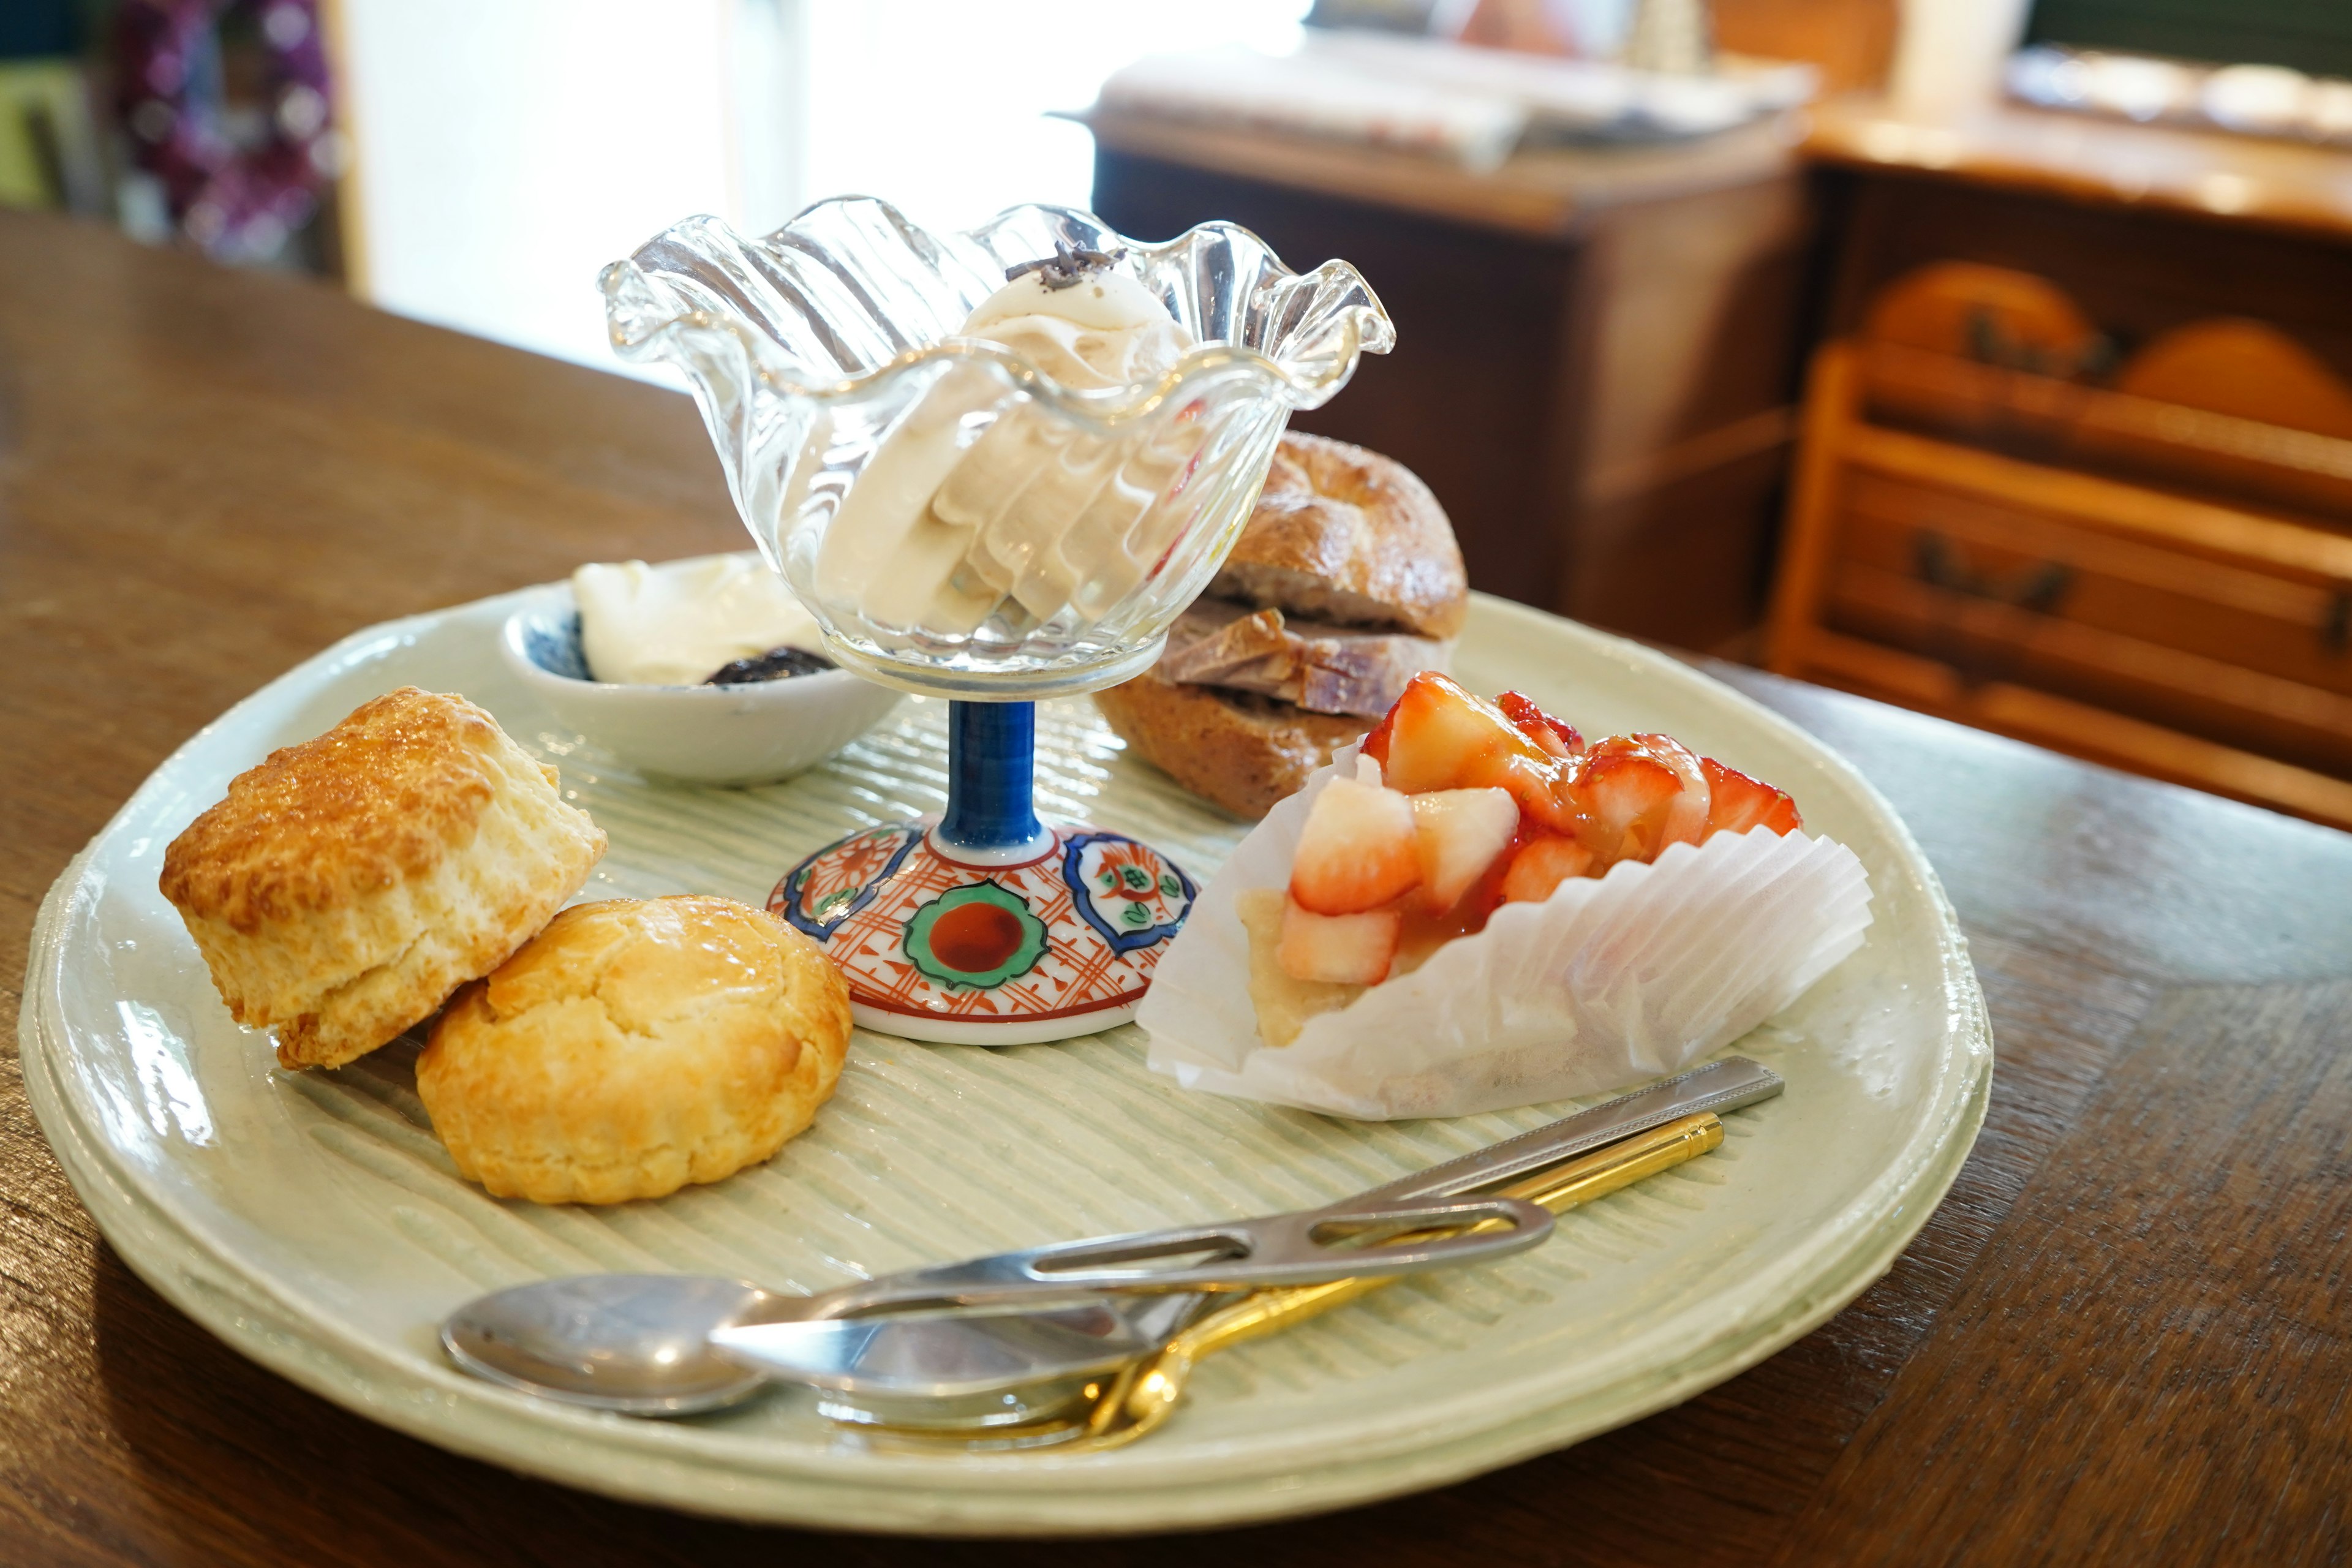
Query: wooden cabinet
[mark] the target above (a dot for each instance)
(2164, 583)
(1596, 358)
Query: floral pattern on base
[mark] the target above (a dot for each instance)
(1078, 929)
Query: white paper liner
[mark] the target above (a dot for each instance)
(1610, 981)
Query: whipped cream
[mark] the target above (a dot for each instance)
(943, 525)
(1105, 330)
(679, 623)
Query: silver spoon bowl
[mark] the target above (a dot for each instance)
(636, 1343)
(650, 1344)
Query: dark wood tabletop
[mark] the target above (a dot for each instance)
(2123, 1338)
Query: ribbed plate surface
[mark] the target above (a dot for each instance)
(313, 1222)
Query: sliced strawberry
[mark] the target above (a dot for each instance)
(1459, 831)
(1426, 930)
(1553, 735)
(1376, 744)
(1542, 865)
(1737, 803)
(1624, 796)
(1437, 730)
(1352, 949)
(1440, 737)
(1539, 784)
(1686, 819)
(1357, 850)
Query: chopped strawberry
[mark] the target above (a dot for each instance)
(1737, 803)
(1459, 833)
(1625, 795)
(1506, 802)
(1553, 735)
(1686, 819)
(1436, 729)
(1471, 910)
(1440, 737)
(1357, 850)
(1353, 950)
(1542, 865)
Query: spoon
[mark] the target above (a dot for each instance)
(654, 1344)
(1145, 1392)
(644, 1345)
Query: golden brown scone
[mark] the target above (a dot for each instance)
(349, 884)
(1241, 750)
(634, 1046)
(1345, 535)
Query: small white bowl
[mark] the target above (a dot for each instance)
(701, 734)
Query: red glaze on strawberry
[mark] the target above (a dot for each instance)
(1470, 912)
(1737, 803)
(1358, 851)
(1553, 735)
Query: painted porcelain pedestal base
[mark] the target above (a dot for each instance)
(983, 926)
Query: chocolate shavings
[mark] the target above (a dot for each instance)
(1066, 267)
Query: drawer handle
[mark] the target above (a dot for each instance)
(2035, 589)
(2335, 630)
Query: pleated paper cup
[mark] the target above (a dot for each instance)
(1610, 981)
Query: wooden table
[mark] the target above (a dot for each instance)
(2123, 1338)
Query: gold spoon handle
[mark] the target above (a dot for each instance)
(1153, 1388)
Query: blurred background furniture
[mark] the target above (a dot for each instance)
(2149, 226)
(1596, 346)
(2145, 560)
(1600, 344)
(49, 154)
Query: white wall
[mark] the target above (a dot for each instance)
(941, 106)
(508, 148)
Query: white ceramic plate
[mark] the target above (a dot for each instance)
(313, 1222)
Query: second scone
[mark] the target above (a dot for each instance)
(634, 1046)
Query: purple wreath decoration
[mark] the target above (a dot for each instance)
(233, 202)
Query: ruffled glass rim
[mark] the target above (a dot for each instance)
(649, 303)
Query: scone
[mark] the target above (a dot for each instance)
(634, 1046)
(349, 884)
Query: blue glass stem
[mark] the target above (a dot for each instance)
(991, 767)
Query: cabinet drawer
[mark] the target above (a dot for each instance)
(1964, 546)
(1985, 642)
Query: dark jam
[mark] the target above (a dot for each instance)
(776, 664)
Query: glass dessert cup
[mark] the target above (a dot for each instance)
(963, 525)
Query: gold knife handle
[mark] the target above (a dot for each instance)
(1559, 1189)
